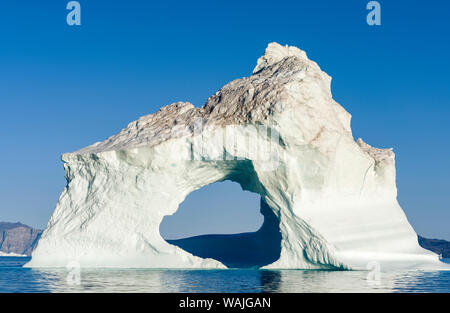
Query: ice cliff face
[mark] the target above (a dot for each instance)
(278, 133)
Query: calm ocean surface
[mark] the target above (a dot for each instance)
(14, 278)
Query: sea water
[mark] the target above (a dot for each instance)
(15, 278)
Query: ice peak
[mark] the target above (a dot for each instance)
(275, 53)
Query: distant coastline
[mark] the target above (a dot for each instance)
(17, 239)
(439, 246)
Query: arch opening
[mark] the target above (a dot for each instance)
(225, 223)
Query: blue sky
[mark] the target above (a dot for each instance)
(62, 87)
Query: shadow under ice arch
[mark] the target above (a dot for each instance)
(335, 199)
(235, 250)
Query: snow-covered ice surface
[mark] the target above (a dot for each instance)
(334, 197)
(12, 254)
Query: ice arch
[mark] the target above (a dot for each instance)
(115, 220)
(334, 197)
(251, 249)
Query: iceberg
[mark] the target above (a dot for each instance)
(278, 133)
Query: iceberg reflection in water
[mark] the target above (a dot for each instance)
(14, 278)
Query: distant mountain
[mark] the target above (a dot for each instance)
(436, 245)
(18, 238)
